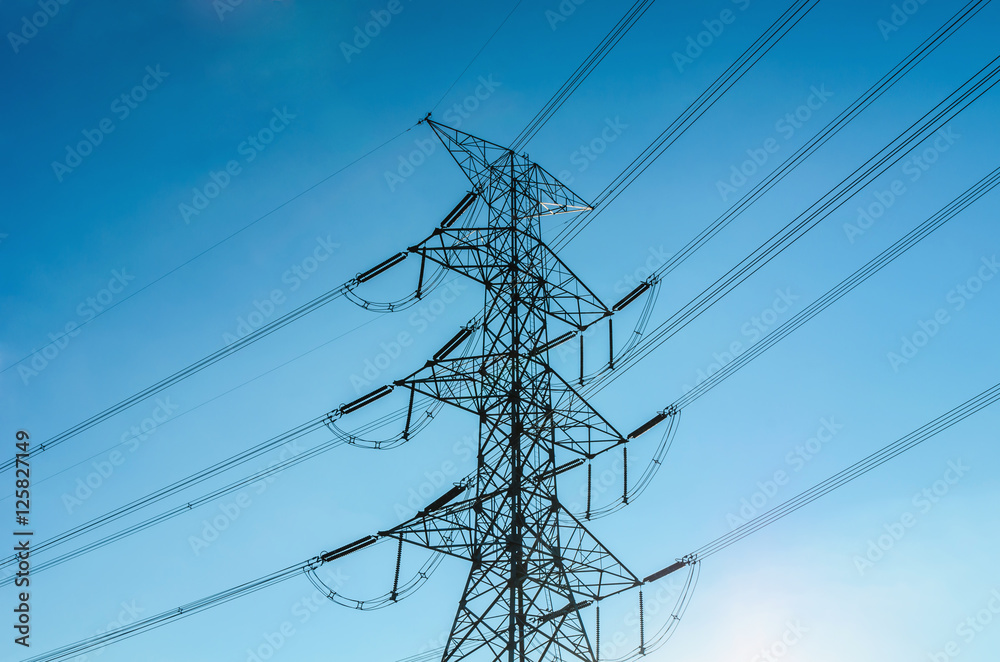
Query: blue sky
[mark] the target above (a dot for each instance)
(264, 101)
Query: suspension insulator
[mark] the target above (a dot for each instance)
(625, 474)
(459, 209)
(631, 296)
(597, 631)
(590, 472)
(395, 580)
(366, 399)
(611, 344)
(452, 344)
(379, 268)
(642, 626)
(420, 278)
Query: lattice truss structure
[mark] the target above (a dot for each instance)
(534, 565)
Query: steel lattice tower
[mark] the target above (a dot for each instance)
(534, 565)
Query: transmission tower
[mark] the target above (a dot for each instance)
(534, 565)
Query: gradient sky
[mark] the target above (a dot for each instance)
(114, 220)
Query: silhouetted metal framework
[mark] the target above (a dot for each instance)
(534, 565)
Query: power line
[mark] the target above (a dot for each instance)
(210, 248)
(943, 112)
(856, 470)
(356, 438)
(872, 267)
(478, 53)
(581, 73)
(259, 333)
(132, 437)
(273, 210)
(825, 134)
(694, 111)
(883, 259)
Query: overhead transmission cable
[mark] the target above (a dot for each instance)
(708, 98)
(932, 121)
(819, 139)
(856, 470)
(478, 53)
(414, 425)
(224, 352)
(640, 485)
(218, 243)
(872, 267)
(270, 212)
(896, 448)
(191, 481)
(760, 350)
(596, 56)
